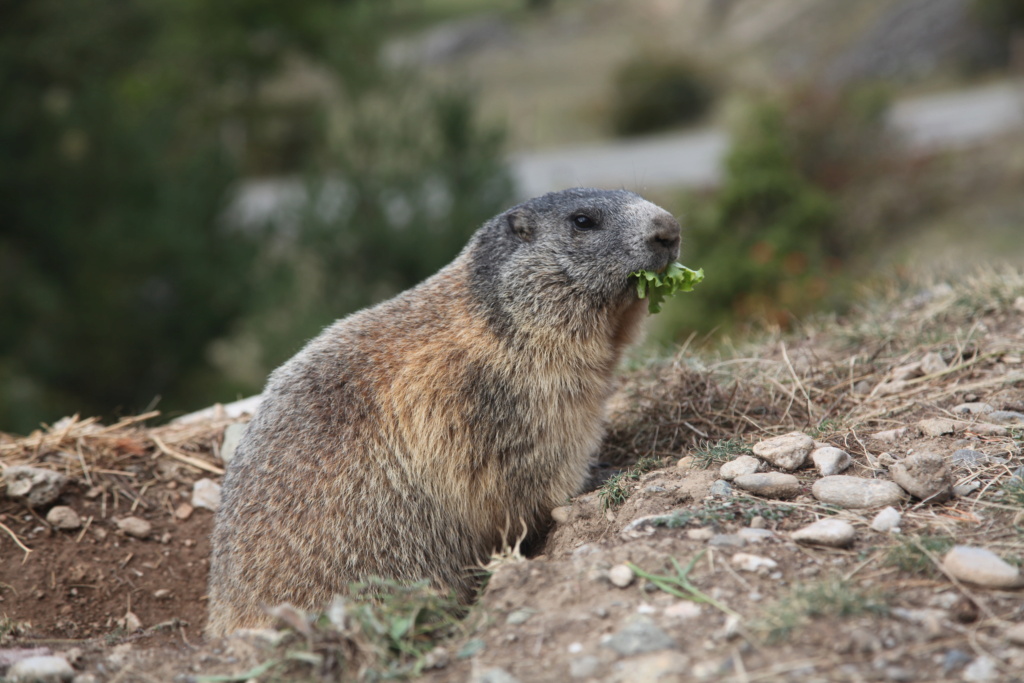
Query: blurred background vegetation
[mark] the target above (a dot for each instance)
(193, 189)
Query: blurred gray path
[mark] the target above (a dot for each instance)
(694, 159)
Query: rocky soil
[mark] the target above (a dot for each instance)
(842, 503)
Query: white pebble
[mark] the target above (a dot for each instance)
(135, 526)
(744, 464)
(41, 668)
(834, 533)
(830, 460)
(887, 520)
(206, 494)
(63, 517)
(787, 452)
(982, 567)
(620, 575)
(752, 563)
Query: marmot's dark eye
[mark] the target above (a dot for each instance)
(583, 222)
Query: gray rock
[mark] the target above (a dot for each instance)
(33, 486)
(744, 464)
(981, 670)
(971, 458)
(924, 476)
(830, 460)
(135, 526)
(834, 533)
(787, 452)
(496, 675)
(727, 541)
(639, 636)
(857, 492)
(720, 488)
(63, 517)
(206, 494)
(972, 409)
(988, 429)
(769, 484)
(889, 435)
(621, 576)
(232, 435)
(752, 563)
(887, 520)
(937, 426)
(1006, 417)
(953, 660)
(519, 617)
(584, 667)
(752, 535)
(666, 665)
(561, 515)
(932, 363)
(981, 567)
(43, 669)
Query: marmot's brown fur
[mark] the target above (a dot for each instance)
(410, 439)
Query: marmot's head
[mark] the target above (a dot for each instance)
(574, 248)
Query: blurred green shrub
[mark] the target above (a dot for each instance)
(776, 238)
(126, 129)
(653, 92)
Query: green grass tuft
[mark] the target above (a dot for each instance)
(722, 451)
(832, 598)
(907, 555)
(615, 491)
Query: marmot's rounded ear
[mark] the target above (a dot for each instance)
(520, 222)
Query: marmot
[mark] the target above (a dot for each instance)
(410, 440)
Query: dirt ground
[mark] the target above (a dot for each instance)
(123, 608)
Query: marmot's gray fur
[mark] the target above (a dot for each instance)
(412, 439)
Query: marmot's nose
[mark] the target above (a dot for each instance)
(664, 234)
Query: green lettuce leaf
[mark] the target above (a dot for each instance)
(656, 287)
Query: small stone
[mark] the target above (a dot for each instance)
(655, 666)
(973, 408)
(857, 492)
(887, 520)
(971, 458)
(923, 475)
(183, 512)
(135, 526)
(720, 488)
(787, 452)
(1006, 417)
(752, 535)
(702, 534)
(932, 363)
(963, 490)
(744, 464)
(639, 636)
(33, 486)
(232, 435)
(684, 609)
(162, 594)
(206, 494)
(621, 576)
(64, 517)
(769, 484)
(982, 567)
(834, 533)
(496, 675)
(758, 522)
(437, 658)
(685, 462)
(988, 429)
(752, 563)
(830, 460)
(982, 669)
(727, 541)
(561, 514)
(937, 426)
(889, 435)
(130, 622)
(954, 659)
(1015, 634)
(584, 667)
(520, 616)
(41, 669)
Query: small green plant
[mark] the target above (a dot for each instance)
(384, 631)
(832, 598)
(909, 557)
(679, 584)
(1013, 491)
(657, 287)
(715, 513)
(615, 490)
(722, 451)
(826, 426)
